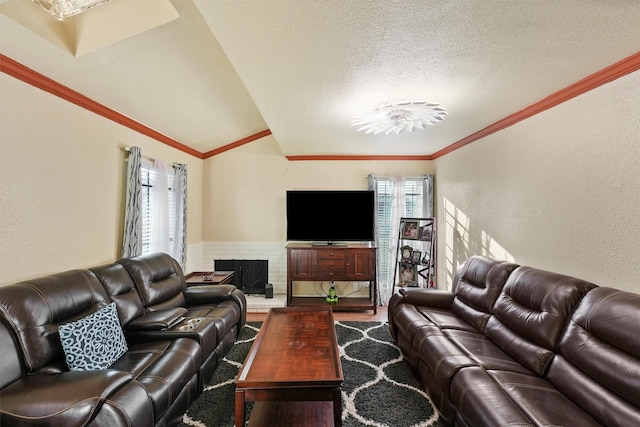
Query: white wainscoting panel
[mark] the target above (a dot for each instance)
(194, 258)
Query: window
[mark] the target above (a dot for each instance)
(155, 207)
(150, 218)
(413, 207)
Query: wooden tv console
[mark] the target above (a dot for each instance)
(348, 263)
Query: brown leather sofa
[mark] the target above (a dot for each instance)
(517, 346)
(176, 337)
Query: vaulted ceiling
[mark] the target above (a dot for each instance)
(213, 72)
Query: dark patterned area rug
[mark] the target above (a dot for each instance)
(378, 389)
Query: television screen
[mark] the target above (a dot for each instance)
(330, 216)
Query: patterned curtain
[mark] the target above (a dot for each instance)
(132, 239)
(180, 229)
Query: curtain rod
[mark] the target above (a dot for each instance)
(405, 177)
(128, 149)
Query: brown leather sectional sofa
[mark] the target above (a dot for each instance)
(517, 346)
(176, 337)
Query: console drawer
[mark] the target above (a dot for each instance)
(329, 269)
(331, 254)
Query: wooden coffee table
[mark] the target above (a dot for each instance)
(294, 359)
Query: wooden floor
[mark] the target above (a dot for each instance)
(345, 316)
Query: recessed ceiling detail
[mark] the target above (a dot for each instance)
(82, 33)
(63, 9)
(405, 116)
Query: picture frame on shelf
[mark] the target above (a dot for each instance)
(408, 274)
(410, 230)
(426, 260)
(406, 253)
(425, 232)
(415, 258)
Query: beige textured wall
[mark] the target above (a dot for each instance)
(62, 177)
(559, 191)
(245, 188)
(244, 201)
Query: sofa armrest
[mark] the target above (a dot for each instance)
(157, 320)
(207, 294)
(74, 398)
(427, 297)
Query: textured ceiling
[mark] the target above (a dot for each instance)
(227, 69)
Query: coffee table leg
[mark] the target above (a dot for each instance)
(239, 408)
(337, 407)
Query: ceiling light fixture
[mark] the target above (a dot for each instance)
(63, 9)
(400, 116)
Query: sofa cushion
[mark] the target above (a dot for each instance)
(163, 368)
(11, 366)
(476, 287)
(70, 398)
(498, 398)
(122, 290)
(480, 402)
(413, 326)
(442, 359)
(445, 319)
(531, 312)
(159, 280)
(483, 351)
(598, 360)
(541, 401)
(93, 342)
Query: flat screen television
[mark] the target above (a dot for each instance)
(330, 217)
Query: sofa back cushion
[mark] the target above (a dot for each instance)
(33, 310)
(598, 360)
(159, 280)
(11, 366)
(122, 290)
(476, 287)
(531, 313)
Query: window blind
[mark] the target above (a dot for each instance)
(148, 180)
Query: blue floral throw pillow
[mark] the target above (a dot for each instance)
(93, 342)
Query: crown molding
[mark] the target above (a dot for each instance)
(32, 77)
(619, 69)
(354, 157)
(615, 71)
(236, 144)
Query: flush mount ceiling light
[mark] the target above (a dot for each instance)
(63, 9)
(400, 116)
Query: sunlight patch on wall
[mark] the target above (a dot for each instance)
(463, 239)
(456, 235)
(492, 249)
